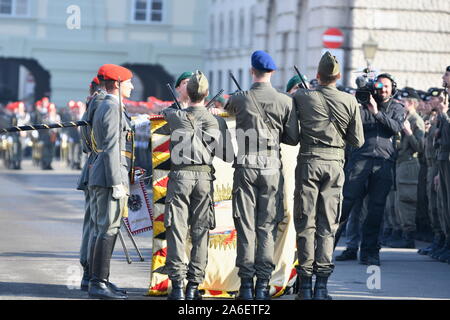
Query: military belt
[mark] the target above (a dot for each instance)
(194, 167)
(322, 149)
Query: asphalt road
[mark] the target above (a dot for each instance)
(41, 216)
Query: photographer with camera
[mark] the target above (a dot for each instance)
(370, 168)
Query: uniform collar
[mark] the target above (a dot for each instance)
(260, 85)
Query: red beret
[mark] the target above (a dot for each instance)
(95, 80)
(114, 72)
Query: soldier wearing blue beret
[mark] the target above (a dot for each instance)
(265, 117)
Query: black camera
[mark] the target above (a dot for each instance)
(366, 87)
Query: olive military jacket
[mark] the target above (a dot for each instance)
(329, 119)
(258, 143)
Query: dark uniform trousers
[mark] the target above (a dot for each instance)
(444, 185)
(372, 176)
(432, 194)
(257, 211)
(317, 204)
(189, 210)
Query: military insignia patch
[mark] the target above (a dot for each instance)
(135, 202)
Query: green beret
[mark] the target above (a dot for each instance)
(295, 80)
(328, 65)
(184, 75)
(198, 83)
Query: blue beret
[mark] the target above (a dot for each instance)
(261, 60)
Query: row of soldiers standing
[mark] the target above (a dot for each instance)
(43, 143)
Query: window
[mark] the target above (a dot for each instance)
(211, 81)
(241, 28)
(211, 32)
(219, 80)
(231, 31)
(15, 8)
(148, 11)
(221, 31)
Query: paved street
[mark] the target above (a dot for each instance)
(40, 223)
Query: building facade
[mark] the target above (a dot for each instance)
(413, 38)
(63, 42)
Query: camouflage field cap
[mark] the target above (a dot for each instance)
(328, 65)
(198, 83)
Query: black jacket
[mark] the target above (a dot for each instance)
(380, 130)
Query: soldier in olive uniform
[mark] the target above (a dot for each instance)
(97, 95)
(329, 119)
(294, 84)
(189, 202)
(264, 119)
(432, 172)
(109, 176)
(444, 169)
(407, 170)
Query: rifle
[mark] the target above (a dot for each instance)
(235, 81)
(43, 126)
(301, 78)
(209, 105)
(174, 96)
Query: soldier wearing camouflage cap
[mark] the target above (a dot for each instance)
(329, 119)
(190, 199)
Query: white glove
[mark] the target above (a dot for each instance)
(119, 192)
(141, 120)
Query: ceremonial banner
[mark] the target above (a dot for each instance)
(221, 278)
(139, 218)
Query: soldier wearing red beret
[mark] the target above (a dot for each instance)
(112, 139)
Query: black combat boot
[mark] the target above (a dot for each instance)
(305, 291)
(373, 259)
(385, 236)
(407, 241)
(246, 291)
(177, 292)
(445, 255)
(395, 236)
(348, 254)
(111, 285)
(262, 289)
(445, 245)
(84, 286)
(437, 240)
(192, 292)
(320, 288)
(99, 285)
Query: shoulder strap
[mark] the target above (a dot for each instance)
(193, 123)
(330, 115)
(264, 116)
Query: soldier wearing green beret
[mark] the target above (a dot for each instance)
(294, 84)
(329, 119)
(196, 137)
(180, 88)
